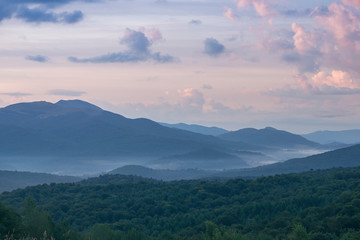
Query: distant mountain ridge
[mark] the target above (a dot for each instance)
(11, 180)
(214, 131)
(269, 137)
(344, 157)
(79, 130)
(329, 137)
(160, 174)
(83, 129)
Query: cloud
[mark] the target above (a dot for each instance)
(322, 83)
(37, 58)
(332, 43)
(68, 93)
(207, 87)
(190, 104)
(296, 13)
(262, 8)
(152, 34)
(354, 3)
(213, 48)
(337, 79)
(16, 94)
(304, 42)
(229, 14)
(195, 22)
(136, 41)
(138, 45)
(40, 11)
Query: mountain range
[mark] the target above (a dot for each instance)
(345, 157)
(77, 137)
(10, 180)
(269, 137)
(330, 137)
(214, 131)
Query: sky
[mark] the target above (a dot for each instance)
(293, 65)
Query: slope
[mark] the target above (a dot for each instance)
(326, 137)
(269, 137)
(214, 131)
(10, 180)
(345, 157)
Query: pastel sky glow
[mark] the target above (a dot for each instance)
(293, 65)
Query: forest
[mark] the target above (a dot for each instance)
(315, 205)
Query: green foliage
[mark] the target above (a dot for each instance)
(317, 205)
(9, 221)
(37, 222)
(299, 233)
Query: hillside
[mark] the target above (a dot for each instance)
(10, 180)
(328, 137)
(269, 137)
(214, 131)
(345, 157)
(204, 158)
(314, 205)
(161, 174)
(71, 135)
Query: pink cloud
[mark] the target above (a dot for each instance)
(229, 14)
(354, 3)
(192, 98)
(337, 79)
(343, 24)
(152, 34)
(341, 46)
(333, 42)
(303, 40)
(303, 82)
(263, 8)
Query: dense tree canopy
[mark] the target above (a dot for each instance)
(314, 205)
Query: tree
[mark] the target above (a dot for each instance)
(299, 233)
(37, 223)
(9, 221)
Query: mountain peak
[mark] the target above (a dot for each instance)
(270, 128)
(77, 104)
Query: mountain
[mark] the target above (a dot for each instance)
(10, 180)
(58, 135)
(345, 157)
(78, 129)
(214, 131)
(204, 158)
(328, 137)
(161, 174)
(77, 104)
(270, 137)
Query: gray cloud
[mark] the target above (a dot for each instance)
(320, 11)
(296, 13)
(16, 94)
(308, 63)
(195, 22)
(68, 93)
(21, 9)
(136, 41)
(37, 58)
(138, 51)
(120, 57)
(207, 87)
(213, 48)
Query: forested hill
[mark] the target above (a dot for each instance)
(345, 157)
(314, 205)
(10, 180)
